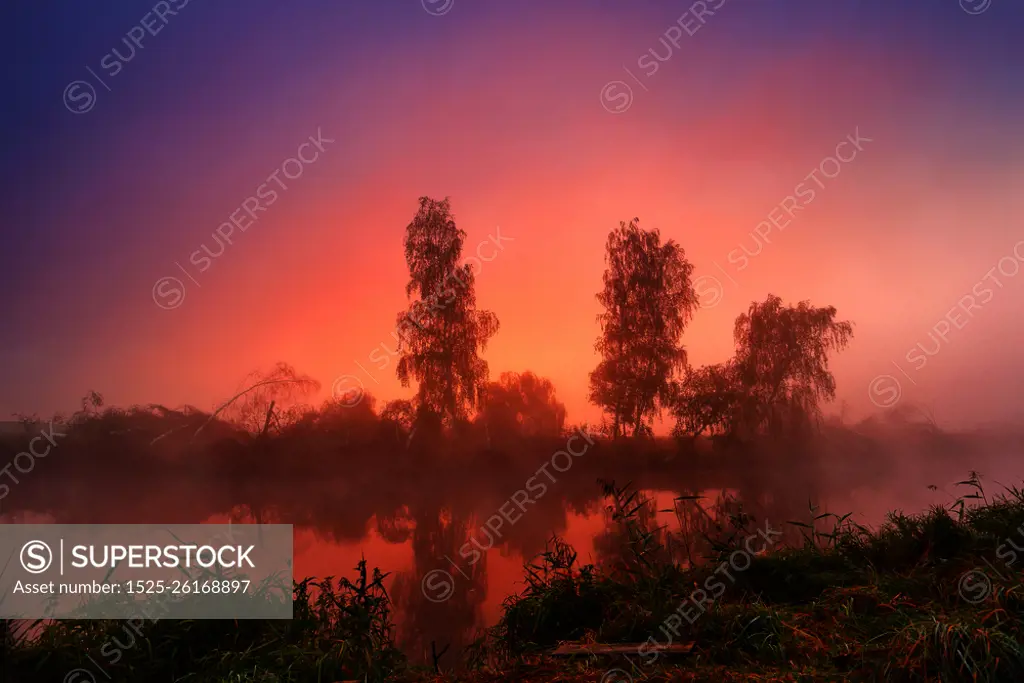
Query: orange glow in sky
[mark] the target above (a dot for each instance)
(503, 114)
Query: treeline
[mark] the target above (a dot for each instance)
(772, 386)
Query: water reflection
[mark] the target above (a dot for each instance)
(438, 601)
(430, 521)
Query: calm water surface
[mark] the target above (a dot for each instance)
(448, 573)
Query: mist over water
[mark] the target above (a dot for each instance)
(422, 517)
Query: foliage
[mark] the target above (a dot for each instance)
(782, 359)
(706, 400)
(647, 298)
(775, 381)
(340, 630)
(853, 604)
(521, 403)
(441, 334)
(267, 401)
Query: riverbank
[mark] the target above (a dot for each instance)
(933, 596)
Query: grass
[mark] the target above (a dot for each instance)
(340, 630)
(836, 602)
(846, 603)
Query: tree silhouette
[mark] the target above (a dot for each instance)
(441, 333)
(707, 400)
(521, 404)
(397, 419)
(777, 378)
(782, 357)
(267, 398)
(351, 425)
(648, 299)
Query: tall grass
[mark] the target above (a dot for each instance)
(340, 630)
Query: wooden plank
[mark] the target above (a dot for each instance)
(571, 649)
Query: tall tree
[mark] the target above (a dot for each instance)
(648, 298)
(782, 358)
(776, 380)
(442, 332)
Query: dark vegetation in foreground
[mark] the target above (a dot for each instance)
(905, 602)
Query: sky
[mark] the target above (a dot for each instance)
(133, 132)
